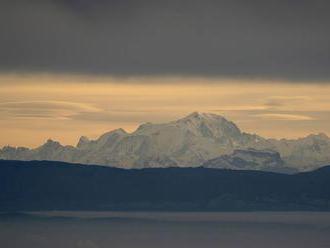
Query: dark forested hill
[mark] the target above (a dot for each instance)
(44, 185)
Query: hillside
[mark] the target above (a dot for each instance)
(44, 185)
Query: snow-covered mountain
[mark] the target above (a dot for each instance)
(187, 142)
(250, 159)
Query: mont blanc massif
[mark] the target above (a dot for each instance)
(199, 139)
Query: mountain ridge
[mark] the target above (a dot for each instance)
(51, 185)
(189, 141)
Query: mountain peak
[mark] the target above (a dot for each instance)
(50, 144)
(83, 141)
(321, 136)
(193, 115)
(315, 137)
(118, 131)
(197, 115)
(209, 125)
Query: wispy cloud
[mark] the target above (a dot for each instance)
(43, 109)
(241, 108)
(36, 108)
(283, 101)
(285, 117)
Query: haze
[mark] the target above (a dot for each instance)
(35, 107)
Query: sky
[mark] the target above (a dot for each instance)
(78, 67)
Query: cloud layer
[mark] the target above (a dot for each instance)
(230, 38)
(43, 109)
(32, 112)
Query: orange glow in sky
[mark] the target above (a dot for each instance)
(36, 107)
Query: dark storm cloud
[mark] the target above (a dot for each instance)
(269, 38)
